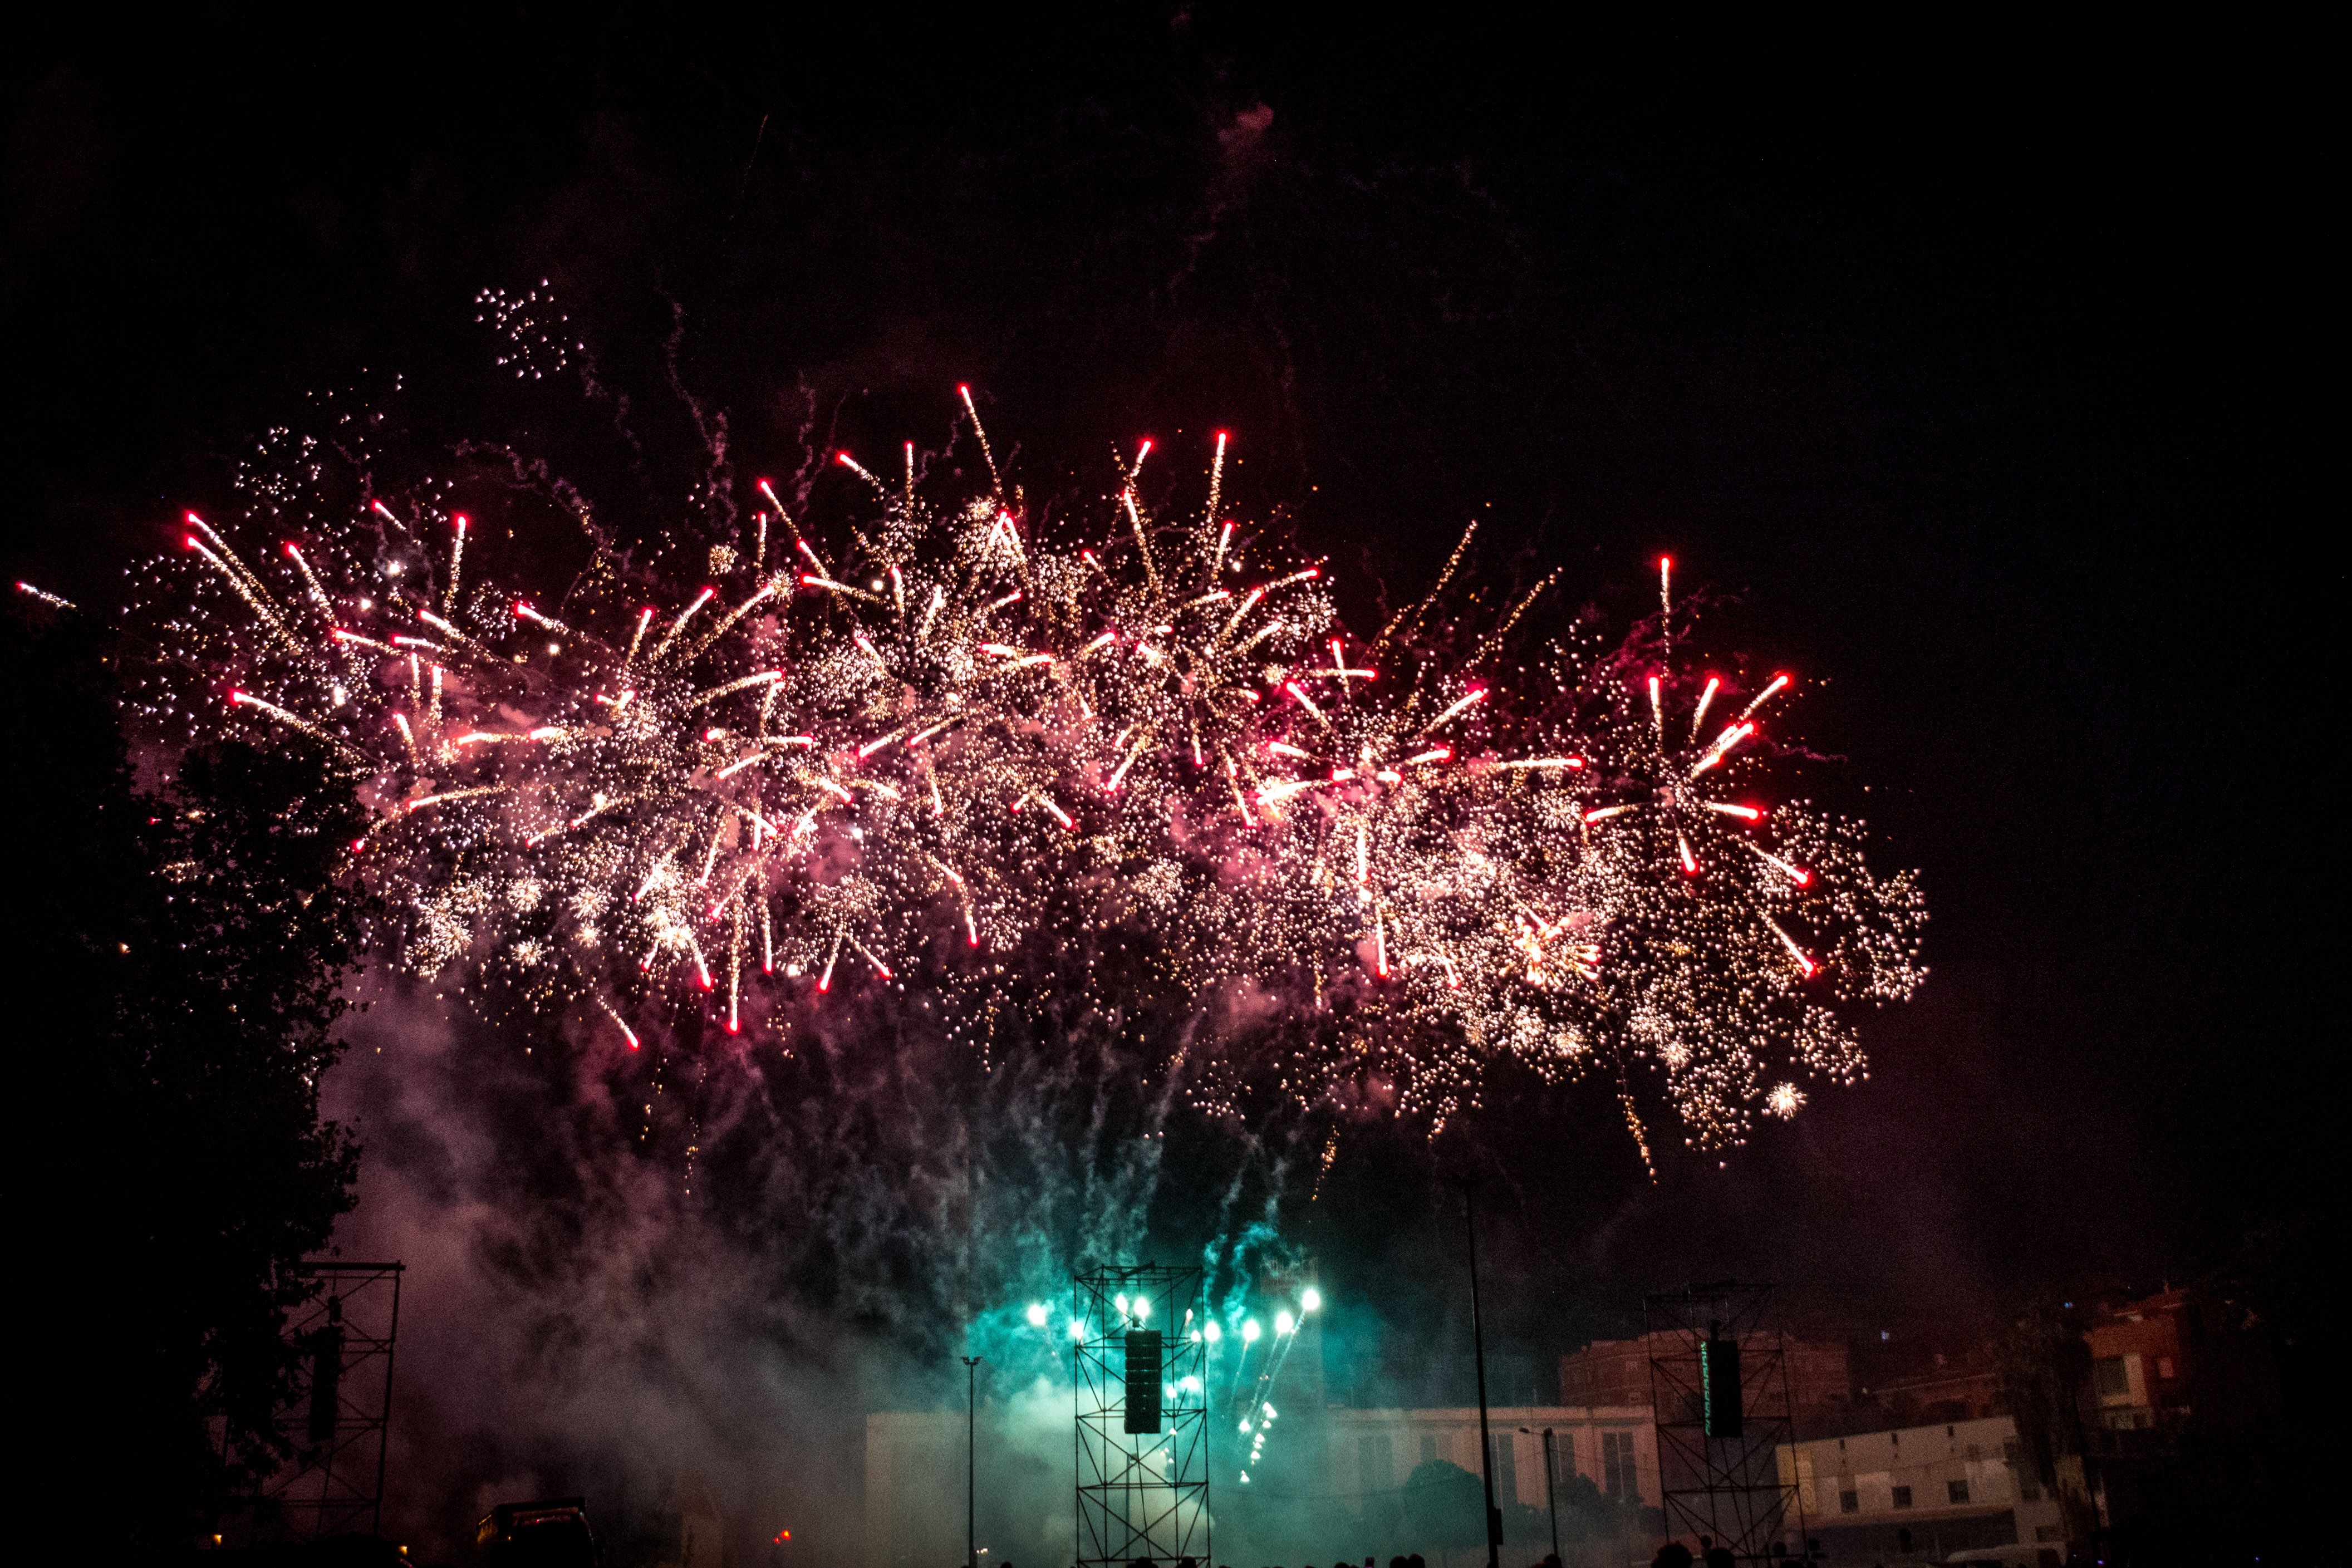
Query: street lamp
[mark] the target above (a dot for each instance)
(1551, 1497)
(971, 1514)
(1478, 1352)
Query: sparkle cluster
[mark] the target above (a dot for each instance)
(951, 750)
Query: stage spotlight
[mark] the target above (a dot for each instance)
(1213, 1332)
(1284, 1323)
(1310, 1300)
(1250, 1331)
(1037, 1314)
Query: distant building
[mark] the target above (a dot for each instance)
(1613, 1447)
(1617, 1373)
(1962, 1388)
(2140, 1360)
(1960, 1485)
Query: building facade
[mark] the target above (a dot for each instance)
(1372, 1453)
(1925, 1490)
(2140, 1357)
(1617, 1373)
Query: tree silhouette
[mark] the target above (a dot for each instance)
(1445, 1504)
(178, 953)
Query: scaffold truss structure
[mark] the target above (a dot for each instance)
(335, 1425)
(1719, 1470)
(1142, 1473)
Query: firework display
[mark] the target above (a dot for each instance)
(949, 744)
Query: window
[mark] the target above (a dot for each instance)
(2109, 1376)
(1375, 1462)
(1617, 1479)
(1849, 1502)
(1903, 1497)
(1955, 1491)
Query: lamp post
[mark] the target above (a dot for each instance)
(1479, 1349)
(971, 1514)
(1552, 1497)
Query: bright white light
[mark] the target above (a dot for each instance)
(1142, 1308)
(1284, 1323)
(1310, 1300)
(1192, 1385)
(1244, 1426)
(1250, 1331)
(1213, 1333)
(1077, 1329)
(1269, 1411)
(1121, 1299)
(1037, 1314)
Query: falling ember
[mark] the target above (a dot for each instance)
(1789, 942)
(618, 1022)
(1706, 700)
(1458, 709)
(1723, 745)
(1795, 873)
(1779, 682)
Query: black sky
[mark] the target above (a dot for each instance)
(1998, 370)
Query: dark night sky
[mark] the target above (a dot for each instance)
(1994, 367)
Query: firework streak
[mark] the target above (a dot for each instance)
(945, 746)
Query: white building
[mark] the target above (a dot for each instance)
(1961, 1486)
(1374, 1451)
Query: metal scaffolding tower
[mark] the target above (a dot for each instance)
(336, 1424)
(1720, 1391)
(1142, 1416)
